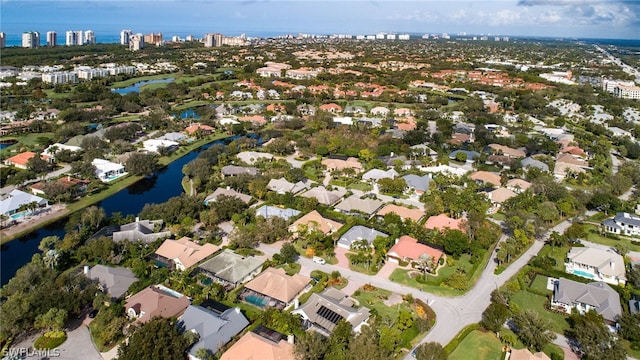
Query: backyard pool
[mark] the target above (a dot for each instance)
(583, 274)
(256, 300)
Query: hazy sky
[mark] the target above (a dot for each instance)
(554, 18)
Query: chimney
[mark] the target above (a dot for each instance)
(612, 264)
(291, 339)
(296, 303)
(86, 270)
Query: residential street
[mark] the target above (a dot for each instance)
(453, 314)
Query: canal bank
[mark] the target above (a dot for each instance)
(129, 197)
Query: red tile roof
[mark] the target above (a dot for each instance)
(407, 247)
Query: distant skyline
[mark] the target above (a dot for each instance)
(546, 18)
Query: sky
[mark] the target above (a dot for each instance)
(611, 19)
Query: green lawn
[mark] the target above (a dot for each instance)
(434, 284)
(129, 82)
(559, 254)
(190, 104)
(527, 300)
(361, 267)
(478, 345)
(594, 236)
(27, 140)
(540, 283)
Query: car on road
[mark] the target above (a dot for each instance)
(319, 260)
(93, 313)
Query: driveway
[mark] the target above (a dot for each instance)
(341, 255)
(386, 270)
(78, 346)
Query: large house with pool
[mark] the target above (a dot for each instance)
(596, 264)
(16, 204)
(108, 171)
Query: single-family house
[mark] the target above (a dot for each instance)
(338, 164)
(231, 269)
(380, 111)
(155, 300)
(227, 192)
(355, 110)
(265, 347)
(355, 205)
(267, 211)
(233, 170)
(173, 136)
(507, 151)
(214, 329)
(530, 162)
(16, 202)
(598, 296)
(331, 107)
(403, 212)
(314, 221)
(72, 186)
(357, 234)
(623, 224)
(525, 354)
(323, 311)
(324, 196)
(518, 185)
(107, 171)
(377, 174)
(282, 186)
(409, 250)
(424, 150)
(485, 178)
(183, 253)
(52, 149)
(274, 288)
(204, 129)
(442, 223)
(500, 195)
(343, 120)
(470, 155)
(569, 164)
(140, 230)
(20, 160)
(114, 281)
(596, 264)
(419, 184)
(251, 157)
(155, 145)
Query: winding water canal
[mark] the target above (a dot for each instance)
(16, 253)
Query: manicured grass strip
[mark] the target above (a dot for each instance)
(527, 300)
(478, 345)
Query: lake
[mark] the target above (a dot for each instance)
(136, 87)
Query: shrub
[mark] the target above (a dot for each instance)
(50, 340)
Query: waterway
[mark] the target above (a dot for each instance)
(16, 253)
(136, 87)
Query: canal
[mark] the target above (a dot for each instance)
(16, 253)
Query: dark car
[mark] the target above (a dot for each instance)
(93, 313)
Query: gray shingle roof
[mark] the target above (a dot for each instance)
(420, 183)
(358, 233)
(339, 307)
(531, 162)
(596, 294)
(627, 219)
(12, 201)
(215, 330)
(231, 267)
(114, 280)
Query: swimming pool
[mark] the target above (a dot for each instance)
(583, 274)
(256, 300)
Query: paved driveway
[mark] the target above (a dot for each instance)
(341, 255)
(77, 347)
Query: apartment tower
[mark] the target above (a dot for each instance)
(52, 38)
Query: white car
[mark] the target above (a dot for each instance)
(319, 260)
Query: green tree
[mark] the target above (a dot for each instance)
(310, 346)
(456, 243)
(533, 330)
(494, 317)
(595, 339)
(288, 253)
(142, 164)
(38, 165)
(51, 320)
(431, 351)
(339, 340)
(157, 339)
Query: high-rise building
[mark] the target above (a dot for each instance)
(213, 40)
(89, 37)
(153, 38)
(125, 36)
(3, 40)
(74, 38)
(136, 42)
(52, 38)
(31, 39)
